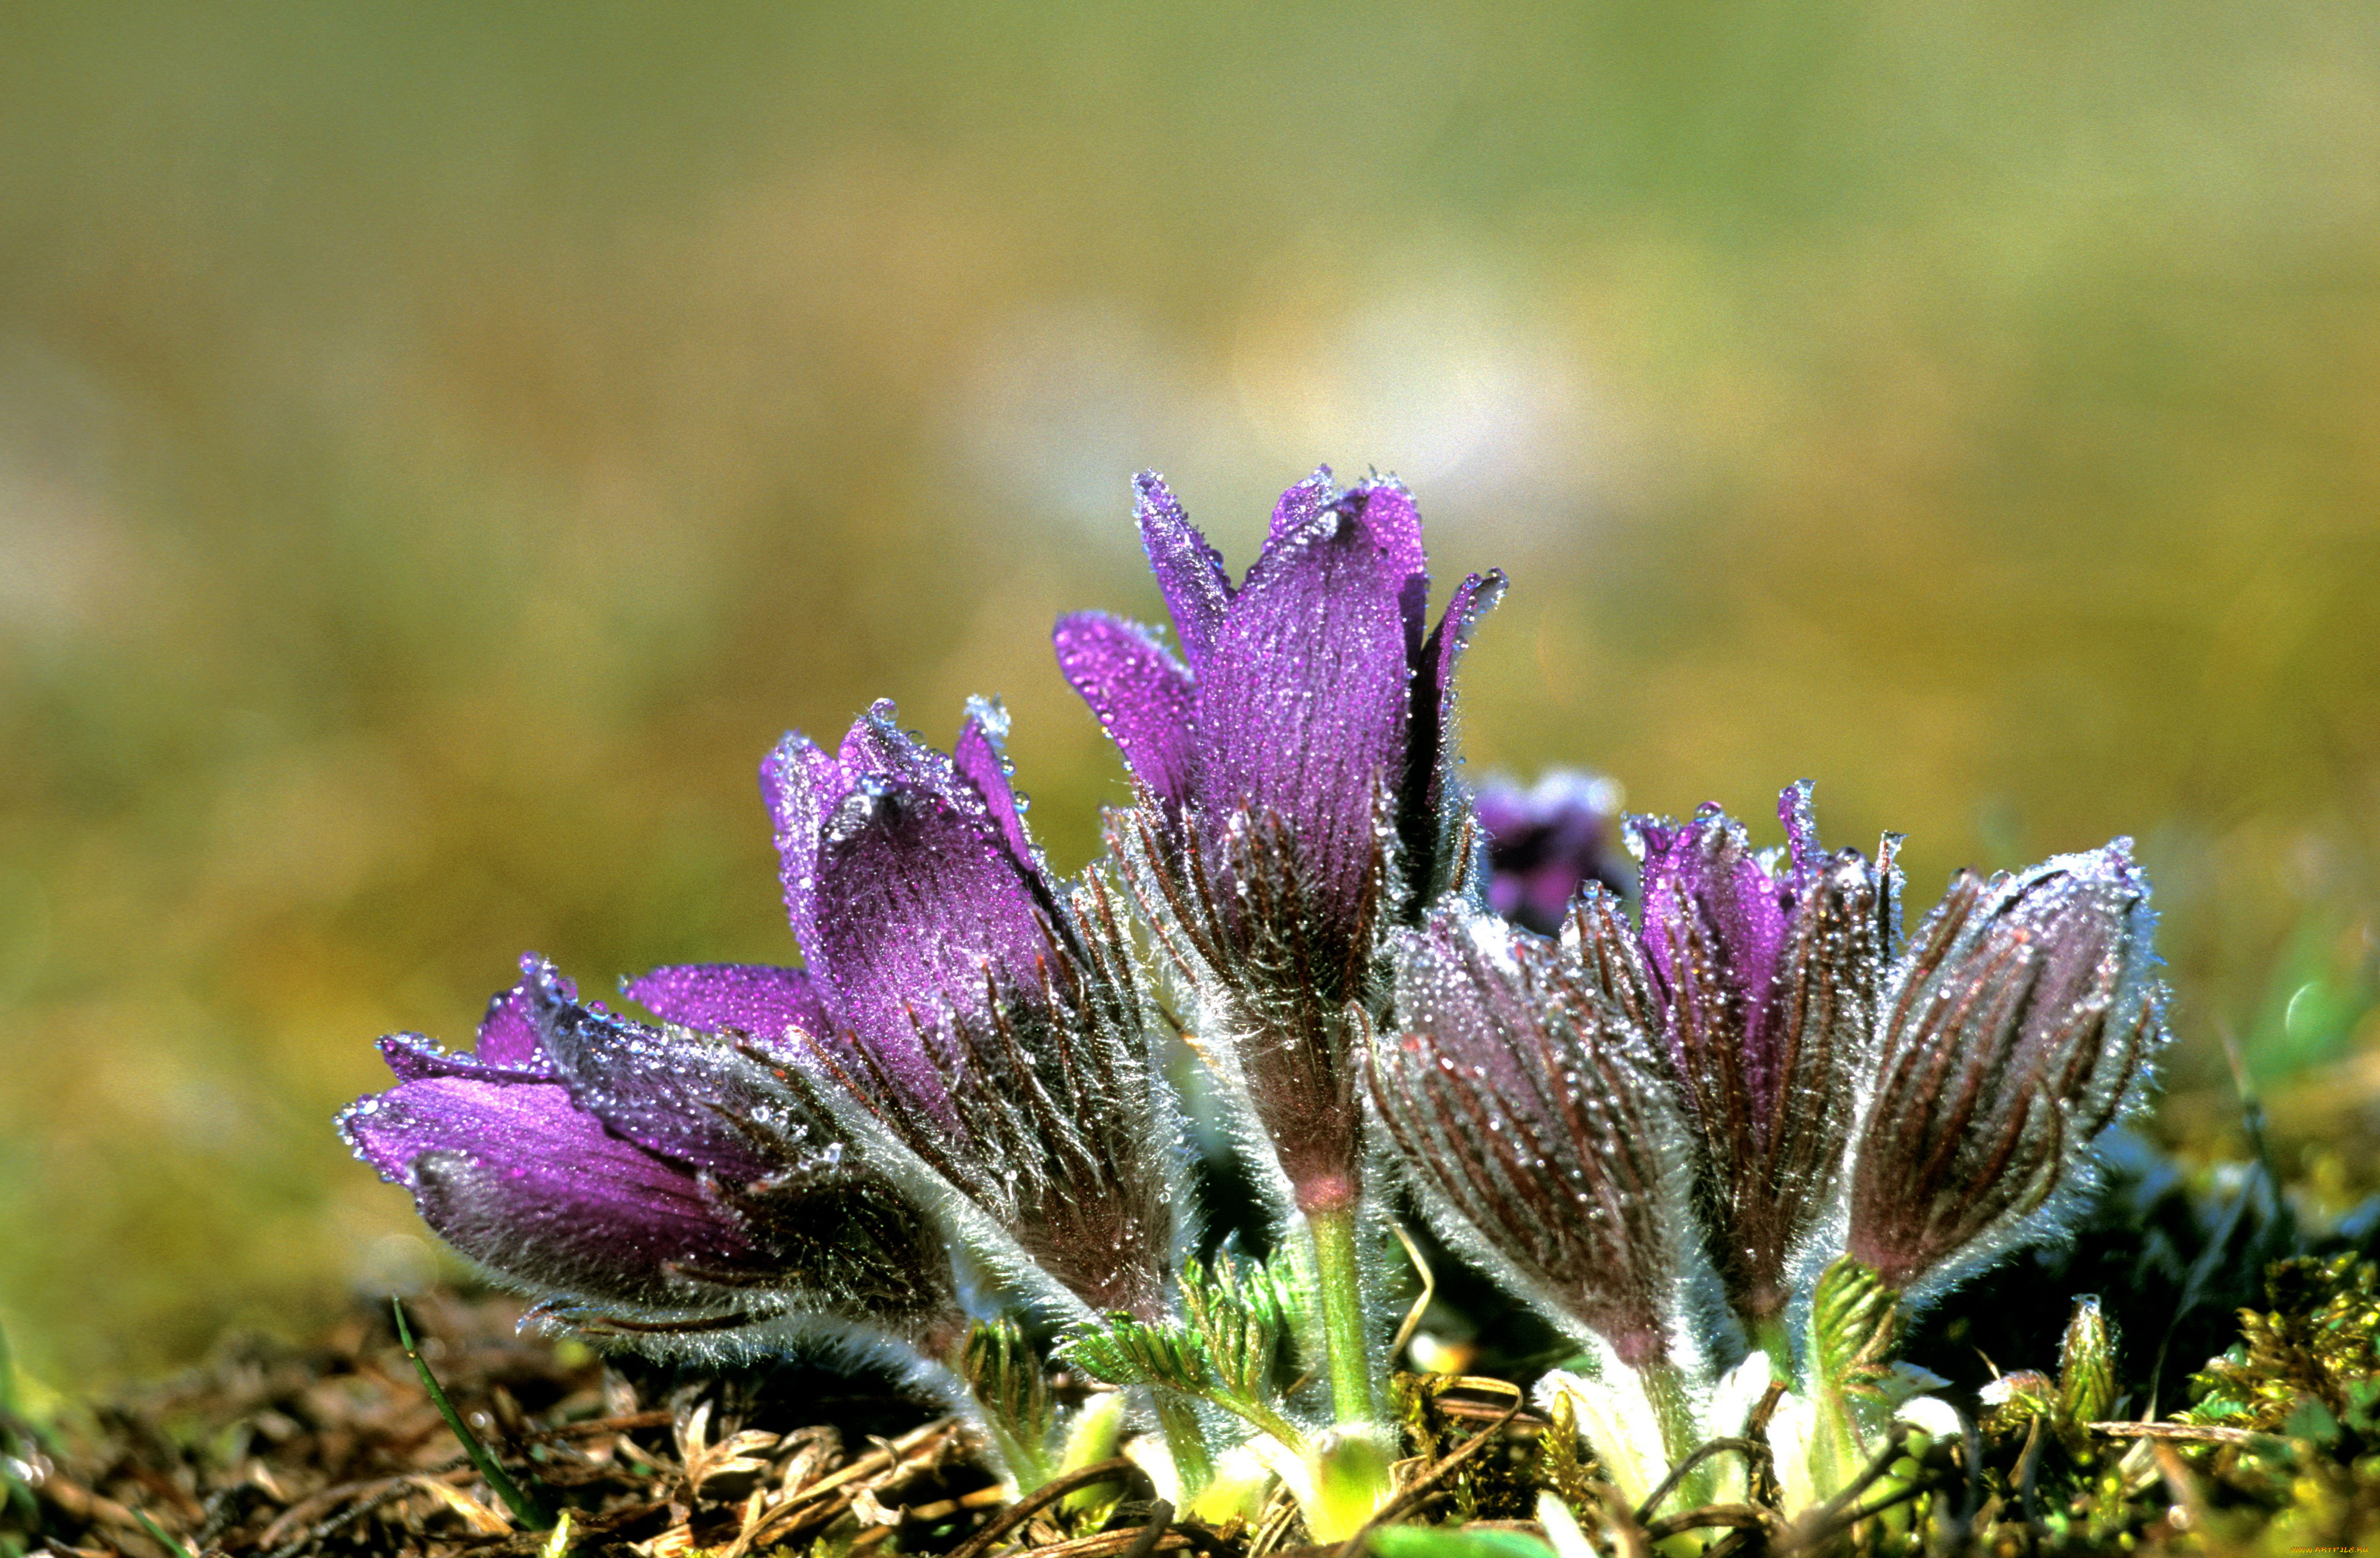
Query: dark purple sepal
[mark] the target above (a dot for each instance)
(979, 760)
(922, 914)
(1432, 827)
(798, 781)
(689, 1096)
(507, 1048)
(1043, 1127)
(1304, 802)
(1298, 507)
(415, 1058)
(980, 1029)
(1386, 512)
(1597, 935)
(1301, 707)
(507, 1037)
(1766, 980)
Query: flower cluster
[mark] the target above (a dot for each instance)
(1737, 1137)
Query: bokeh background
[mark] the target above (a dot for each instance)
(443, 445)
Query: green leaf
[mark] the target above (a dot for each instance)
(2086, 1366)
(1854, 1324)
(1454, 1541)
(1006, 1376)
(1132, 1352)
(1225, 1350)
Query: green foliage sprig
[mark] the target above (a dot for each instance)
(1227, 1349)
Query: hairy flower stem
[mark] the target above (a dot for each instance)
(1775, 1338)
(1665, 1387)
(1338, 1277)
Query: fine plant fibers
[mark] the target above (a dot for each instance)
(1728, 1140)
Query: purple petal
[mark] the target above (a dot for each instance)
(1189, 571)
(1385, 509)
(519, 1178)
(771, 1005)
(921, 909)
(1714, 923)
(1141, 695)
(1430, 757)
(671, 1093)
(978, 761)
(1301, 708)
(798, 782)
(1300, 507)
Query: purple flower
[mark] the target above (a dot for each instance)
(1546, 842)
(1295, 768)
(638, 1178)
(2020, 1024)
(1763, 976)
(1532, 1118)
(979, 1027)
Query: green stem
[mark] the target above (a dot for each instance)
(1774, 1337)
(1339, 1274)
(1264, 1419)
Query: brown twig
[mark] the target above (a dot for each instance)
(2188, 1433)
(1751, 1450)
(1049, 1493)
(1733, 1516)
(1161, 1517)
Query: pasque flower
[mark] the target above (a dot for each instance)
(977, 1027)
(1546, 842)
(638, 1178)
(1295, 768)
(1533, 1119)
(2022, 1022)
(949, 1121)
(1533, 1115)
(1974, 1068)
(1758, 1035)
(1763, 977)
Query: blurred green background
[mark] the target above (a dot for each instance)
(442, 446)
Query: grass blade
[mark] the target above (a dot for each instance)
(526, 1509)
